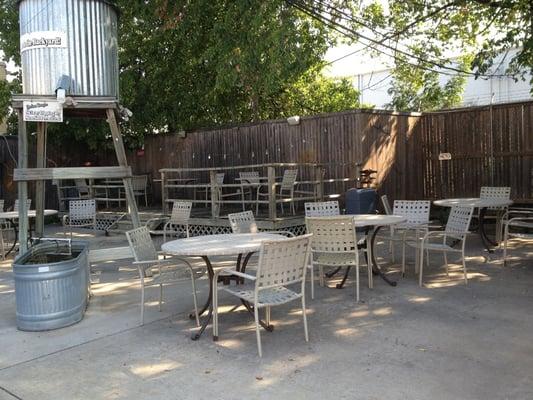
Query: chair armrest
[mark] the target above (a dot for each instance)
(520, 222)
(237, 273)
(286, 233)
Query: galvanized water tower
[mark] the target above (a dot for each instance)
(69, 60)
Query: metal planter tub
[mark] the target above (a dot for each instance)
(52, 285)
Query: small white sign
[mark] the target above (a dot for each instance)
(445, 156)
(43, 111)
(42, 39)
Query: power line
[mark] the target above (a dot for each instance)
(332, 24)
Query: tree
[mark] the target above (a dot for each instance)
(189, 64)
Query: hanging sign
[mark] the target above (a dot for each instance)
(42, 39)
(445, 156)
(43, 111)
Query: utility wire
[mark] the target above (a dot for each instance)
(332, 24)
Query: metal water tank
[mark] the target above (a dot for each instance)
(69, 41)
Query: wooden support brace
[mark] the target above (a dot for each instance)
(272, 212)
(22, 186)
(40, 184)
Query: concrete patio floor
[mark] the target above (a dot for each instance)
(443, 341)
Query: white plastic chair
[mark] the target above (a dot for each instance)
(496, 193)
(139, 184)
(249, 181)
(84, 191)
(82, 214)
(286, 190)
(456, 230)
(281, 263)
(243, 222)
(512, 219)
(320, 209)
(154, 271)
(335, 245)
(179, 219)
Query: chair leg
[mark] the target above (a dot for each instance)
(369, 265)
(321, 276)
(464, 266)
(195, 298)
(160, 297)
(312, 281)
(357, 283)
(257, 330)
(403, 258)
(304, 314)
(267, 315)
(446, 262)
(2, 244)
(505, 239)
(215, 310)
(142, 304)
(421, 265)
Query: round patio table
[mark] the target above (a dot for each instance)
(482, 205)
(374, 222)
(238, 244)
(13, 216)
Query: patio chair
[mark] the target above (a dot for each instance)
(250, 182)
(286, 190)
(154, 271)
(319, 209)
(361, 201)
(83, 189)
(500, 193)
(82, 214)
(179, 220)
(335, 245)
(242, 222)
(281, 263)
(139, 184)
(455, 231)
(517, 223)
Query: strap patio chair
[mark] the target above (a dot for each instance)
(281, 263)
(492, 193)
(335, 245)
(319, 209)
(154, 271)
(250, 182)
(517, 223)
(83, 189)
(82, 214)
(455, 231)
(286, 190)
(178, 223)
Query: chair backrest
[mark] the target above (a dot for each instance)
(416, 211)
(242, 222)
(141, 244)
(249, 177)
(81, 209)
(283, 262)
(361, 201)
(139, 182)
(16, 206)
(386, 205)
(181, 212)
(332, 235)
(219, 179)
(495, 193)
(322, 208)
(83, 188)
(458, 221)
(289, 178)
(1, 205)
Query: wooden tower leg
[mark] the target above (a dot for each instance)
(22, 186)
(123, 162)
(40, 185)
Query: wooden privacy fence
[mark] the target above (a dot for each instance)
(488, 146)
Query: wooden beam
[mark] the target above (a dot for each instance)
(35, 174)
(272, 193)
(215, 204)
(80, 102)
(40, 184)
(123, 162)
(22, 186)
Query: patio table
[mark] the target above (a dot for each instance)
(482, 205)
(374, 222)
(13, 216)
(238, 244)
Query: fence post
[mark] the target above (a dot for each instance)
(164, 192)
(319, 172)
(215, 204)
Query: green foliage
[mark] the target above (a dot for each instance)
(190, 64)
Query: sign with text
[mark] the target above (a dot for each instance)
(445, 156)
(42, 39)
(43, 111)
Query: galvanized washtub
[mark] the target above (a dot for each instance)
(70, 41)
(52, 285)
